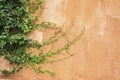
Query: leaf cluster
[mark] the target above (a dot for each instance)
(16, 22)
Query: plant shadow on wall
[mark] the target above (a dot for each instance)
(16, 22)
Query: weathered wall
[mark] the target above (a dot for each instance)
(97, 54)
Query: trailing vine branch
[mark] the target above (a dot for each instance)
(16, 22)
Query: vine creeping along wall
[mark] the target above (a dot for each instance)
(16, 22)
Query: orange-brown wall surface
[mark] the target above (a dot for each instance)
(96, 54)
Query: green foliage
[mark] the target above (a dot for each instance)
(16, 22)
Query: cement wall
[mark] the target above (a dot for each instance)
(96, 54)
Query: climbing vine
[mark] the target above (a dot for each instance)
(16, 22)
